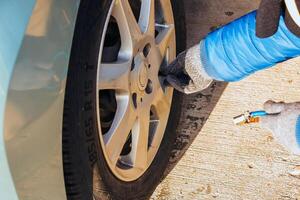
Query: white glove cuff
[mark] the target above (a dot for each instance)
(194, 68)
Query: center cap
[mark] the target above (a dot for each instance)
(143, 76)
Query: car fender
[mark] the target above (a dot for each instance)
(32, 89)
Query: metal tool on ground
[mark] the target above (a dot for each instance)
(249, 117)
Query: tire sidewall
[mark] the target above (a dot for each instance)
(83, 149)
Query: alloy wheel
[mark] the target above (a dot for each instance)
(134, 105)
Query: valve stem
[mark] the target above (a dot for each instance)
(249, 117)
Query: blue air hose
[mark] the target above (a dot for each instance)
(234, 51)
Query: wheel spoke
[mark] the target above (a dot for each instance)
(129, 29)
(114, 76)
(167, 11)
(156, 60)
(164, 38)
(162, 105)
(140, 134)
(117, 135)
(161, 109)
(147, 17)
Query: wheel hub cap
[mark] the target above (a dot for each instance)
(140, 71)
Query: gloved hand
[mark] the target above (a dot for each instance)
(233, 52)
(285, 125)
(268, 16)
(186, 73)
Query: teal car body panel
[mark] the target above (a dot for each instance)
(35, 44)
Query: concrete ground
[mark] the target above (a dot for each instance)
(233, 162)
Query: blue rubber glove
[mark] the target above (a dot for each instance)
(233, 52)
(285, 126)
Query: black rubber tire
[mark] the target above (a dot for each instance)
(86, 172)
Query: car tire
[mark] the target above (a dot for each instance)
(87, 175)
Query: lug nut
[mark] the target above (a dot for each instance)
(132, 64)
(146, 50)
(134, 98)
(149, 87)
